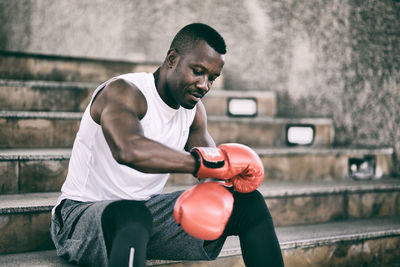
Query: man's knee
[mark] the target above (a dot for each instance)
(253, 204)
(249, 209)
(120, 213)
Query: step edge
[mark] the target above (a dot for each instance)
(55, 57)
(269, 119)
(65, 153)
(322, 150)
(245, 93)
(21, 114)
(43, 84)
(57, 115)
(323, 241)
(48, 84)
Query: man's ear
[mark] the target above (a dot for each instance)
(172, 58)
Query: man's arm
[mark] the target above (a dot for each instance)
(199, 136)
(118, 109)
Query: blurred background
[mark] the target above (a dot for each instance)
(312, 85)
(337, 59)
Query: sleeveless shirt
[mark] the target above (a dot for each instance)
(93, 173)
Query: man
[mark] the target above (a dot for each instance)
(138, 128)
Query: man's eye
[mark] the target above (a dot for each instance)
(197, 72)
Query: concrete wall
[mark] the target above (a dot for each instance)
(333, 58)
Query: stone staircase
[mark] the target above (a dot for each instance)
(323, 217)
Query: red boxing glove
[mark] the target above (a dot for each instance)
(204, 210)
(234, 162)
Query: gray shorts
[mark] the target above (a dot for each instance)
(78, 236)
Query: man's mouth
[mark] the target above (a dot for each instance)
(197, 96)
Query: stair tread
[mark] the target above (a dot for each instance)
(78, 115)
(25, 153)
(27, 202)
(290, 237)
(35, 153)
(48, 84)
(56, 85)
(303, 188)
(330, 232)
(90, 85)
(31, 202)
(12, 114)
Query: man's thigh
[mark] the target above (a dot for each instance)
(80, 238)
(77, 232)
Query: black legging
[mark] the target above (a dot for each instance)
(250, 220)
(127, 228)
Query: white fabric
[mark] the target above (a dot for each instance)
(94, 174)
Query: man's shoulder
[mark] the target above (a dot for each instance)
(136, 76)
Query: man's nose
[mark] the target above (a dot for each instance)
(204, 84)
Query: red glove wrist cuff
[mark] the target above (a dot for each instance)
(198, 161)
(207, 158)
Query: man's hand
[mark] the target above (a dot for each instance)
(236, 163)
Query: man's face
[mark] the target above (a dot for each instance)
(192, 75)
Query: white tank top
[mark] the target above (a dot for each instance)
(93, 173)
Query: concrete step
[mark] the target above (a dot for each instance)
(300, 164)
(20, 129)
(217, 101)
(73, 97)
(44, 170)
(27, 129)
(25, 218)
(371, 242)
(45, 95)
(305, 202)
(27, 66)
(266, 131)
(312, 164)
(33, 170)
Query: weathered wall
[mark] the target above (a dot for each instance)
(334, 58)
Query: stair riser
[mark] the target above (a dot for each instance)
(43, 99)
(33, 133)
(262, 133)
(317, 166)
(217, 104)
(333, 207)
(25, 232)
(27, 176)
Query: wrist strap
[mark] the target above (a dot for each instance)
(198, 161)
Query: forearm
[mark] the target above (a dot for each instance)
(149, 156)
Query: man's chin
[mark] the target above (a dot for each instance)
(188, 105)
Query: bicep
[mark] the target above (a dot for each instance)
(199, 135)
(120, 122)
(122, 106)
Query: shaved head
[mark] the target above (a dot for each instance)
(189, 36)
